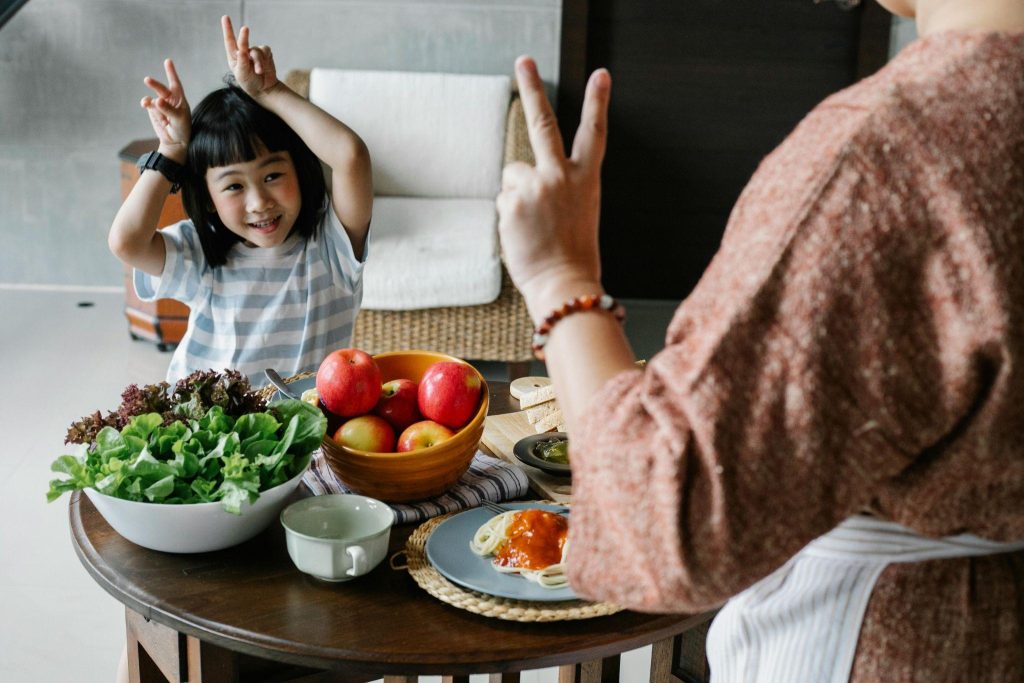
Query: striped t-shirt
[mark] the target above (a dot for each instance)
(282, 307)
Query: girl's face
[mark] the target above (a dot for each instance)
(258, 200)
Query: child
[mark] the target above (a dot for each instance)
(270, 262)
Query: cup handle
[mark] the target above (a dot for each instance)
(358, 556)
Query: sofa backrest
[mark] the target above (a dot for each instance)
(429, 134)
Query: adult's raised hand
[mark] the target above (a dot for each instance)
(253, 67)
(548, 214)
(169, 113)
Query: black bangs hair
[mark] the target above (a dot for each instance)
(229, 127)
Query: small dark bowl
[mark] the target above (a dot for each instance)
(524, 450)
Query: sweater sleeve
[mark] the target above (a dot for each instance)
(829, 344)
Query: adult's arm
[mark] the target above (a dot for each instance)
(548, 220)
(830, 344)
(795, 381)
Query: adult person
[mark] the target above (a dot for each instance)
(856, 346)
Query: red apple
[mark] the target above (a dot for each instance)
(349, 382)
(397, 403)
(449, 393)
(367, 433)
(423, 434)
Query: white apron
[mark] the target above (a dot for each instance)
(801, 623)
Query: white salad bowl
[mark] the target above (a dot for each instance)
(192, 527)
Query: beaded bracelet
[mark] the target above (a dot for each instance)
(587, 302)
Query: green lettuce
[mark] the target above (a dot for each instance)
(201, 458)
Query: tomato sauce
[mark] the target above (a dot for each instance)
(535, 540)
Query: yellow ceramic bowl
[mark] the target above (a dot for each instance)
(413, 475)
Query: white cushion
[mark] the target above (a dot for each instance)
(425, 253)
(429, 134)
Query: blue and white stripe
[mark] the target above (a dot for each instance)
(284, 307)
(487, 478)
(802, 623)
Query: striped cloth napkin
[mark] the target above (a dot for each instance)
(487, 478)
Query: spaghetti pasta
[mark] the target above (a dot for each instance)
(532, 543)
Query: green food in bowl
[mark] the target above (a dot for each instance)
(215, 458)
(553, 450)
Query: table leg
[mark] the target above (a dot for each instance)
(210, 663)
(597, 671)
(510, 677)
(155, 652)
(663, 657)
(400, 679)
(689, 658)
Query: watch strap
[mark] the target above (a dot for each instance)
(169, 168)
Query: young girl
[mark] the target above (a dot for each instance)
(270, 263)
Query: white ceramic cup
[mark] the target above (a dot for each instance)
(337, 537)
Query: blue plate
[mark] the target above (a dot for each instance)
(449, 553)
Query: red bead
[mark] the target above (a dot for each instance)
(582, 303)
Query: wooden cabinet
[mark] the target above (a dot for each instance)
(703, 90)
(162, 321)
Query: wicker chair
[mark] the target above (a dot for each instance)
(498, 331)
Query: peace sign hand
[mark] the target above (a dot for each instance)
(548, 214)
(253, 67)
(169, 113)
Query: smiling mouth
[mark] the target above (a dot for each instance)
(266, 226)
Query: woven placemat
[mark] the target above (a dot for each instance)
(430, 580)
(268, 391)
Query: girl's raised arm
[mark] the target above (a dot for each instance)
(332, 141)
(133, 237)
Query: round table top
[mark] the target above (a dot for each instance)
(252, 599)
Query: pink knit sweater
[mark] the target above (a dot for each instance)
(857, 343)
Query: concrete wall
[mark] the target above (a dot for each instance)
(71, 79)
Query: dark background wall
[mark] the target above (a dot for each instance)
(703, 90)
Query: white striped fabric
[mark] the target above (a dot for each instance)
(486, 479)
(802, 623)
(283, 307)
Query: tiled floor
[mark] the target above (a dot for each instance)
(63, 360)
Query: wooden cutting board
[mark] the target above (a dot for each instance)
(501, 432)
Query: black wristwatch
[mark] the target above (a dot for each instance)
(170, 169)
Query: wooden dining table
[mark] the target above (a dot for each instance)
(247, 614)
